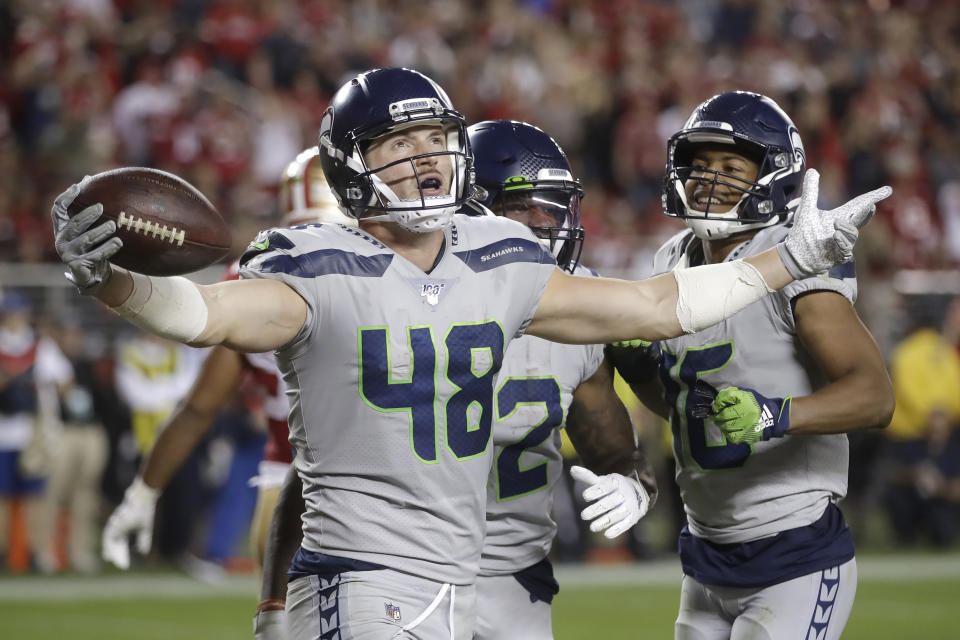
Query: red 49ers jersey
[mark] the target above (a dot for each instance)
(263, 368)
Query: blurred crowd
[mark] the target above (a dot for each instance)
(226, 92)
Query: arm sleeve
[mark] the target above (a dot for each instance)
(841, 279)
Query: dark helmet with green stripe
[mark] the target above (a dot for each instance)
(524, 174)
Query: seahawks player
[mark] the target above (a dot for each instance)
(304, 197)
(390, 337)
(762, 464)
(544, 386)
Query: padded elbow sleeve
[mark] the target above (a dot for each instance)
(172, 307)
(709, 294)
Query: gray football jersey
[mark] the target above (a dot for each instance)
(735, 492)
(534, 391)
(391, 383)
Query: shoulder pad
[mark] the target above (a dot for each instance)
(671, 251)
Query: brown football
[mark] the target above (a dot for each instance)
(167, 226)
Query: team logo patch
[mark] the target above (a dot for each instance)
(392, 610)
(431, 290)
(261, 242)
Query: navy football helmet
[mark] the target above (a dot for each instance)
(524, 174)
(384, 101)
(757, 128)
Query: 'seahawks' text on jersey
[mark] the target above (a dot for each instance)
(534, 392)
(391, 384)
(778, 484)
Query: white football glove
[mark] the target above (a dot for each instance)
(620, 501)
(134, 515)
(270, 625)
(85, 251)
(820, 240)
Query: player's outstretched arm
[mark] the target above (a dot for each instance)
(283, 539)
(602, 310)
(620, 481)
(254, 316)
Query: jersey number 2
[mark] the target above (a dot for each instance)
(513, 481)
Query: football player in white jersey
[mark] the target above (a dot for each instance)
(761, 464)
(390, 337)
(304, 197)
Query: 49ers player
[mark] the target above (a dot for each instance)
(305, 197)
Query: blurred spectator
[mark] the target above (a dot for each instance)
(924, 483)
(232, 83)
(76, 469)
(924, 494)
(26, 444)
(152, 376)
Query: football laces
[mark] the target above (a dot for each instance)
(153, 229)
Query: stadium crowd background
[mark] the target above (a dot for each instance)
(226, 92)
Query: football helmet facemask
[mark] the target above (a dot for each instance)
(758, 129)
(523, 174)
(382, 102)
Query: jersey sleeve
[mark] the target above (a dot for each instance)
(841, 279)
(538, 265)
(275, 255)
(671, 252)
(592, 360)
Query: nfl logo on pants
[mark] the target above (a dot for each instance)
(393, 611)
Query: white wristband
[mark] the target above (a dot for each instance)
(168, 307)
(709, 294)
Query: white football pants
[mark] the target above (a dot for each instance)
(812, 607)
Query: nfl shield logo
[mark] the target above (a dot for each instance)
(393, 611)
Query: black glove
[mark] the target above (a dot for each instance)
(700, 400)
(637, 360)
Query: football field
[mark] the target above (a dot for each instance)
(899, 596)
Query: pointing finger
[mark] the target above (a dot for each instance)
(859, 210)
(811, 190)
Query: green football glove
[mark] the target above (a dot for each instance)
(747, 417)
